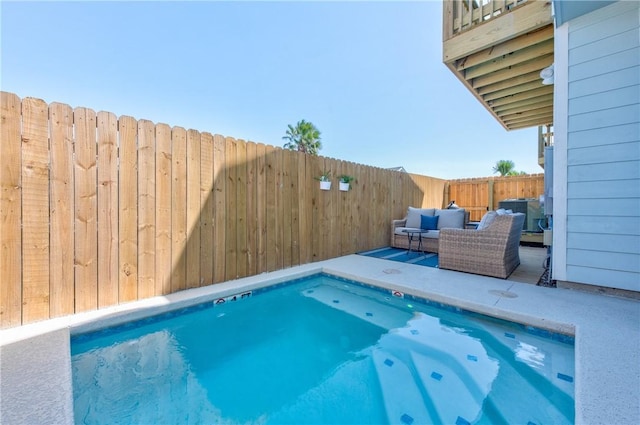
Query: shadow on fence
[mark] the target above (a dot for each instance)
(98, 210)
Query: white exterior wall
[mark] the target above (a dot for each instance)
(597, 150)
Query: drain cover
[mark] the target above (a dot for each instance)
(505, 294)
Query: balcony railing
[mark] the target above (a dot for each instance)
(461, 15)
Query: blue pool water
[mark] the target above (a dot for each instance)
(325, 351)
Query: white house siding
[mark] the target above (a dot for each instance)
(603, 148)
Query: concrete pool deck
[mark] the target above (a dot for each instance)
(35, 369)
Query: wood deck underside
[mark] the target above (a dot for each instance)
(497, 52)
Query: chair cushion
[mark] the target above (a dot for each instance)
(487, 219)
(413, 215)
(451, 218)
(429, 222)
(431, 234)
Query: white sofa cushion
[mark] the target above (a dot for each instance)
(431, 234)
(413, 216)
(451, 218)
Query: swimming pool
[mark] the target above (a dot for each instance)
(322, 350)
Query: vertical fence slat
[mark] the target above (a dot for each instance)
(10, 211)
(331, 209)
(220, 209)
(376, 199)
(271, 206)
(341, 208)
(261, 208)
(62, 209)
(86, 247)
(193, 209)
(304, 209)
(178, 209)
(128, 211)
(231, 241)
(146, 209)
(252, 222)
(354, 200)
(294, 205)
(206, 212)
(163, 209)
(35, 204)
(286, 218)
(108, 242)
(345, 212)
(305, 196)
(315, 168)
(241, 205)
(278, 191)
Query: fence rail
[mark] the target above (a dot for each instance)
(97, 210)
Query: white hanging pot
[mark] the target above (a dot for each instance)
(344, 186)
(325, 185)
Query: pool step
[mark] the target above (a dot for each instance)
(447, 374)
(452, 400)
(403, 400)
(378, 313)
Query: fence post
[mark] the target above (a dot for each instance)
(491, 194)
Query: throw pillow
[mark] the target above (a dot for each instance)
(413, 216)
(487, 219)
(453, 219)
(429, 222)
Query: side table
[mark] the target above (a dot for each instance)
(413, 233)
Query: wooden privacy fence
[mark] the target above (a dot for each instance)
(480, 195)
(97, 210)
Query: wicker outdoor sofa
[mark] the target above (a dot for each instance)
(446, 218)
(492, 250)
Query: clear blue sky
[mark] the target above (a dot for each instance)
(369, 75)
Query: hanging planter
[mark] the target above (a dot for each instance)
(345, 182)
(325, 180)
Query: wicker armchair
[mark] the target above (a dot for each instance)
(493, 251)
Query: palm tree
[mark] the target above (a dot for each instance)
(505, 168)
(304, 137)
